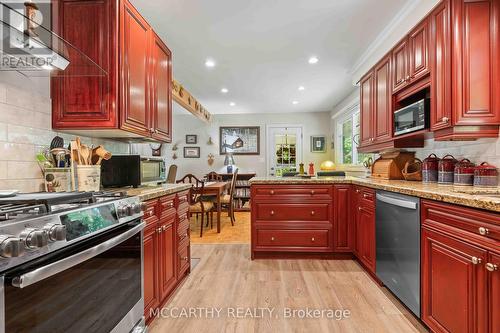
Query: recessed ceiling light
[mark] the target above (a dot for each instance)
(302, 88)
(224, 90)
(209, 63)
(295, 102)
(313, 60)
(232, 104)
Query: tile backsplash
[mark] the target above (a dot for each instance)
(25, 128)
(481, 150)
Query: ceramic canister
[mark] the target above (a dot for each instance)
(446, 168)
(464, 173)
(430, 169)
(485, 175)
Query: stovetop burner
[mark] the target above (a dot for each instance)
(27, 205)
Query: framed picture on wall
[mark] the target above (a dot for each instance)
(239, 140)
(318, 143)
(191, 139)
(191, 152)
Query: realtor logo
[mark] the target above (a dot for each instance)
(26, 37)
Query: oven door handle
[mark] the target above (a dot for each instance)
(44, 272)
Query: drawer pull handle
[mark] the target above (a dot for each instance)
(476, 260)
(312, 239)
(312, 213)
(271, 192)
(272, 213)
(483, 231)
(150, 213)
(491, 267)
(159, 230)
(272, 239)
(312, 192)
(171, 205)
(185, 258)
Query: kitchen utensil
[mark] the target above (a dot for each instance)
(78, 148)
(57, 142)
(485, 175)
(99, 154)
(389, 165)
(60, 154)
(446, 168)
(464, 173)
(430, 169)
(84, 154)
(413, 170)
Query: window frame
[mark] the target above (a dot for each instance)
(348, 115)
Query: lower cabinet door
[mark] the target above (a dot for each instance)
(493, 271)
(168, 251)
(151, 263)
(343, 227)
(454, 297)
(366, 237)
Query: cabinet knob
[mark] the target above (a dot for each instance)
(357, 191)
(491, 267)
(150, 213)
(272, 239)
(365, 195)
(271, 192)
(483, 231)
(476, 260)
(313, 212)
(164, 228)
(185, 258)
(312, 239)
(159, 230)
(408, 78)
(151, 129)
(312, 192)
(271, 212)
(359, 208)
(446, 119)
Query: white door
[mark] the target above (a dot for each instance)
(284, 149)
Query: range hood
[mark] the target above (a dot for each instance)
(27, 46)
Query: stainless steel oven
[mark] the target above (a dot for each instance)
(412, 118)
(88, 279)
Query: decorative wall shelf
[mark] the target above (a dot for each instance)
(187, 101)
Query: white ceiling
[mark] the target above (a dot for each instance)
(261, 48)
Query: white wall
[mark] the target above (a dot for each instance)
(395, 30)
(25, 128)
(315, 123)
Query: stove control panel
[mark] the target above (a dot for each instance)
(34, 238)
(10, 246)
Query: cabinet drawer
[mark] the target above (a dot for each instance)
(182, 198)
(292, 193)
(366, 196)
(167, 205)
(477, 222)
(184, 235)
(184, 257)
(183, 226)
(292, 238)
(292, 212)
(182, 210)
(150, 214)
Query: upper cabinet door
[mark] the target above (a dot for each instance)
(418, 43)
(382, 119)
(161, 78)
(83, 101)
(366, 115)
(440, 26)
(400, 66)
(476, 63)
(135, 49)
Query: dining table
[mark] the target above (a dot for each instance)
(216, 189)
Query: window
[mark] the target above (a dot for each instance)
(347, 138)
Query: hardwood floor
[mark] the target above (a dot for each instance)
(226, 278)
(237, 234)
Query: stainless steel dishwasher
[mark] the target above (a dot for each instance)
(398, 246)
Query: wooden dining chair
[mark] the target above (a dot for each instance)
(214, 177)
(227, 201)
(197, 205)
(172, 174)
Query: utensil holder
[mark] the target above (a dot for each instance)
(88, 178)
(57, 179)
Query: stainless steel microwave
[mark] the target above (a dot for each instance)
(412, 118)
(132, 170)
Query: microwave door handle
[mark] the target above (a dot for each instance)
(47, 271)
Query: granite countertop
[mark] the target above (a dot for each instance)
(152, 192)
(490, 200)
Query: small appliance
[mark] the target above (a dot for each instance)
(412, 118)
(132, 170)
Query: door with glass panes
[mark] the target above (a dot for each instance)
(284, 149)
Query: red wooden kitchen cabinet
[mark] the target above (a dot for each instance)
(151, 269)
(168, 255)
(367, 106)
(343, 224)
(161, 97)
(465, 69)
(365, 248)
(410, 57)
(133, 98)
(382, 120)
(454, 297)
(494, 291)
